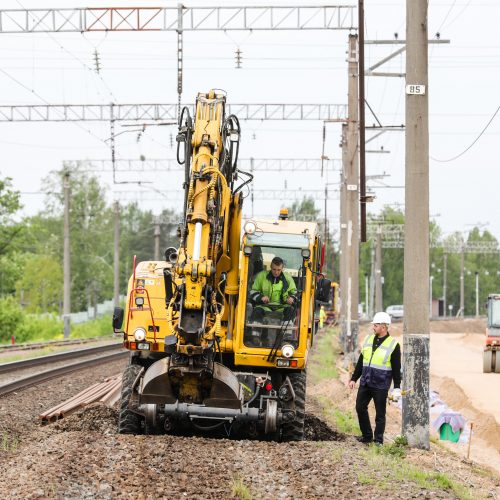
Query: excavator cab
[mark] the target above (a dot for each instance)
(276, 333)
(276, 321)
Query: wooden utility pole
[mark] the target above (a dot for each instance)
(350, 322)
(157, 235)
(416, 252)
(445, 266)
(461, 312)
(116, 260)
(361, 97)
(343, 240)
(379, 303)
(66, 260)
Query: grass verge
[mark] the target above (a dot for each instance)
(9, 442)
(324, 356)
(240, 489)
(347, 423)
(390, 459)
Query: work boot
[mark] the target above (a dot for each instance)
(364, 440)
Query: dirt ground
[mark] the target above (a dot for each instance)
(456, 367)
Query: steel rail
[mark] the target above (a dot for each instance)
(57, 372)
(54, 358)
(107, 392)
(50, 343)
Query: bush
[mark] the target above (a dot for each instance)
(41, 327)
(99, 327)
(11, 319)
(36, 328)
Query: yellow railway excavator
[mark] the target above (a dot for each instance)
(206, 349)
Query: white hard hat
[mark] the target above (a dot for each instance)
(381, 317)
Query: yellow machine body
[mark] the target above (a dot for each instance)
(202, 347)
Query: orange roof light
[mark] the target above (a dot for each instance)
(283, 213)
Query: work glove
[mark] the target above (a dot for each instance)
(396, 395)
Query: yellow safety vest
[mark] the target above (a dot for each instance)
(377, 371)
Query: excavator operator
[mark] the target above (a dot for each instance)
(273, 291)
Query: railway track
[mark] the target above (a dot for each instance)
(54, 358)
(50, 343)
(43, 376)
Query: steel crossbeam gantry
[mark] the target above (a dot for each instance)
(393, 236)
(258, 194)
(471, 247)
(146, 113)
(247, 164)
(79, 20)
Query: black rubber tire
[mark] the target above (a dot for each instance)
(294, 431)
(496, 363)
(128, 421)
(487, 361)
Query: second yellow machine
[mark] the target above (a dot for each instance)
(219, 332)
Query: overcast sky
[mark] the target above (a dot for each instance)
(277, 67)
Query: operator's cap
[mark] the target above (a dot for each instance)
(381, 317)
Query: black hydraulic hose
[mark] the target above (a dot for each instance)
(250, 179)
(185, 109)
(218, 348)
(234, 124)
(254, 397)
(208, 427)
(185, 134)
(231, 148)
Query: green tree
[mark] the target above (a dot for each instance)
(9, 205)
(40, 288)
(137, 236)
(91, 233)
(11, 235)
(305, 210)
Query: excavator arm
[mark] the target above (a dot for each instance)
(205, 263)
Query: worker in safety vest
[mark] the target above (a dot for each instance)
(274, 291)
(322, 316)
(378, 365)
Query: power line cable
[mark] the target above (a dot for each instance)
(459, 14)
(46, 102)
(446, 16)
(86, 66)
(474, 142)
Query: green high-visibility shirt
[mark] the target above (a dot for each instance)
(267, 284)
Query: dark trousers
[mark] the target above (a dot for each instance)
(379, 396)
